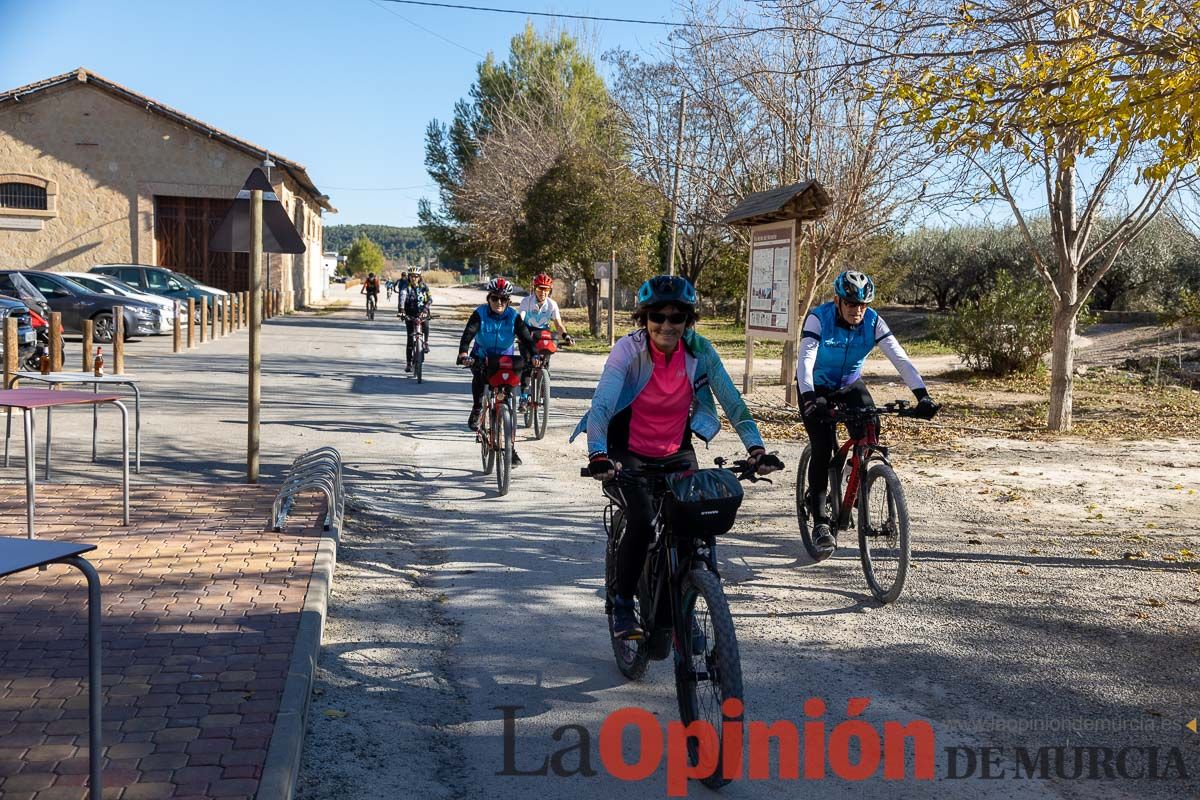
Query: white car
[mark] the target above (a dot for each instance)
(103, 284)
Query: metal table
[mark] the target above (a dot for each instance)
(28, 400)
(18, 555)
(83, 378)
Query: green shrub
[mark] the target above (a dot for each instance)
(1006, 330)
(1184, 311)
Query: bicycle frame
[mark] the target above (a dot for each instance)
(860, 450)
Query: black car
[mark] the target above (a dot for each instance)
(77, 304)
(27, 343)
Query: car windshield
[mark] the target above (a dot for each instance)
(74, 286)
(106, 285)
(191, 283)
(15, 284)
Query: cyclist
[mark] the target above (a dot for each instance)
(656, 390)
(496, 329)
(370, 288)
(539, 311)
(837, 337)
(415, 300)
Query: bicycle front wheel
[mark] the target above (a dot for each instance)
(418, 360)
(883, 542)
(708, 667)
(803, 515)
(504, 445)
(631, 655)
(541, 411)
(486, 451)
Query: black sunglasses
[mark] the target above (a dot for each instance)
(658, 317)
(498, 298)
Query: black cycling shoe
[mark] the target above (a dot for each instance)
(516, 459)
(473, 420)
(408, 367)
(823, 540)
(624, 620)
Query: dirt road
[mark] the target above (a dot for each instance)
(1053, 604)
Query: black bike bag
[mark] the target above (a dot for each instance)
(703, 502)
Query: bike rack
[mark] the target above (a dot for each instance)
(317, 470)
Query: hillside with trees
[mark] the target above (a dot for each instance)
(406, 245)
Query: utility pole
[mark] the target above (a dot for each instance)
(612, 298)
(675, 184)
(254, 390)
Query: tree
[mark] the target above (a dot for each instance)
(1089, 103)
(364, 256)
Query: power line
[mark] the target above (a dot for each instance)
(431, 33)
(544, 14)
(380, 188)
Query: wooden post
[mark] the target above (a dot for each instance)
(244, 300)
(213, 321)
(612, 298)
(87, 345)
(178, 328)
(748, 376)
(254, 393)
(56, 332)
(203, 318)
(119, 341)
(191, 322)
(12, 351)
(225, 315)
(233, 312)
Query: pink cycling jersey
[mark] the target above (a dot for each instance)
(660, 412)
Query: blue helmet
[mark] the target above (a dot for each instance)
(857, 287)
(665, 289)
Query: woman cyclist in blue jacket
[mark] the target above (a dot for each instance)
(838, 336)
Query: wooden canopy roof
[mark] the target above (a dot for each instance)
(803, 201)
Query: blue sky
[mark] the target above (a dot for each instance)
(345, 87)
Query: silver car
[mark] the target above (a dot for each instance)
(103, 284)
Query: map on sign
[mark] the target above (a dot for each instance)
(770, 279)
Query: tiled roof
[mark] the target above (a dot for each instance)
(81, 75)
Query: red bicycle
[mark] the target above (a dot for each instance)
(861, 478)
(537, 408)
(497, 422)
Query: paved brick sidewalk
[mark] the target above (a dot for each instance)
(201, 609)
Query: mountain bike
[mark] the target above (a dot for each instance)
(537, 407)
(679, 601)
(861, 478)
(497, 420)
(372, 301)
(416, 355)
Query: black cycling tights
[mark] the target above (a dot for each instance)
(639, 518)
(823, 436)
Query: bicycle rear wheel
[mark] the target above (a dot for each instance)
(487, 453)
(708, 667)
(883, 542)
(504, 445)
(631, 656)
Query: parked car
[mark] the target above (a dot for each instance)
(160, 281)
(103, 284)
(76, 304)
(27, 343)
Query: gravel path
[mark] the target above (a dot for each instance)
(1053, 603)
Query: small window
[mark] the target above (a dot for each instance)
(24, 196)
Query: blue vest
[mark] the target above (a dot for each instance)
(843, 349)
(497, 334)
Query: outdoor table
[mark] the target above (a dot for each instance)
(17, 555)
(30, 399)
(61, 378)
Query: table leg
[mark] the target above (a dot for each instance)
(124, 459)
(137, 427)
(30, 471)
(7, 435)
(95, 420)
(95, 676)
(49, 425)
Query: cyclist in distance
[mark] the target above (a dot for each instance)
(496, 329)
(539, 311)
(838, 336)
(415, 300)
(655, 392)
(370, 287)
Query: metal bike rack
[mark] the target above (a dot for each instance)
(317, 470)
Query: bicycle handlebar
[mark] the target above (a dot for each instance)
(901, 408)
(742, 467)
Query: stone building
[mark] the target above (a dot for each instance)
(94, 173)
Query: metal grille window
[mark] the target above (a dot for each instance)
(22, 195)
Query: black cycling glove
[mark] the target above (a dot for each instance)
(600, 464)
(816, 409)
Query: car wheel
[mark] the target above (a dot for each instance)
(103, 327)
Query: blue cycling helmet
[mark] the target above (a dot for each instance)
(664, 289)
(857, 287)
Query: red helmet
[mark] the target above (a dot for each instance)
(542, 279)
(500, 287)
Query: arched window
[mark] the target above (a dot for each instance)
(24, 196)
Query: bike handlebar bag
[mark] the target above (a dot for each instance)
(544, 342)
(703, 502)
(504, 370)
